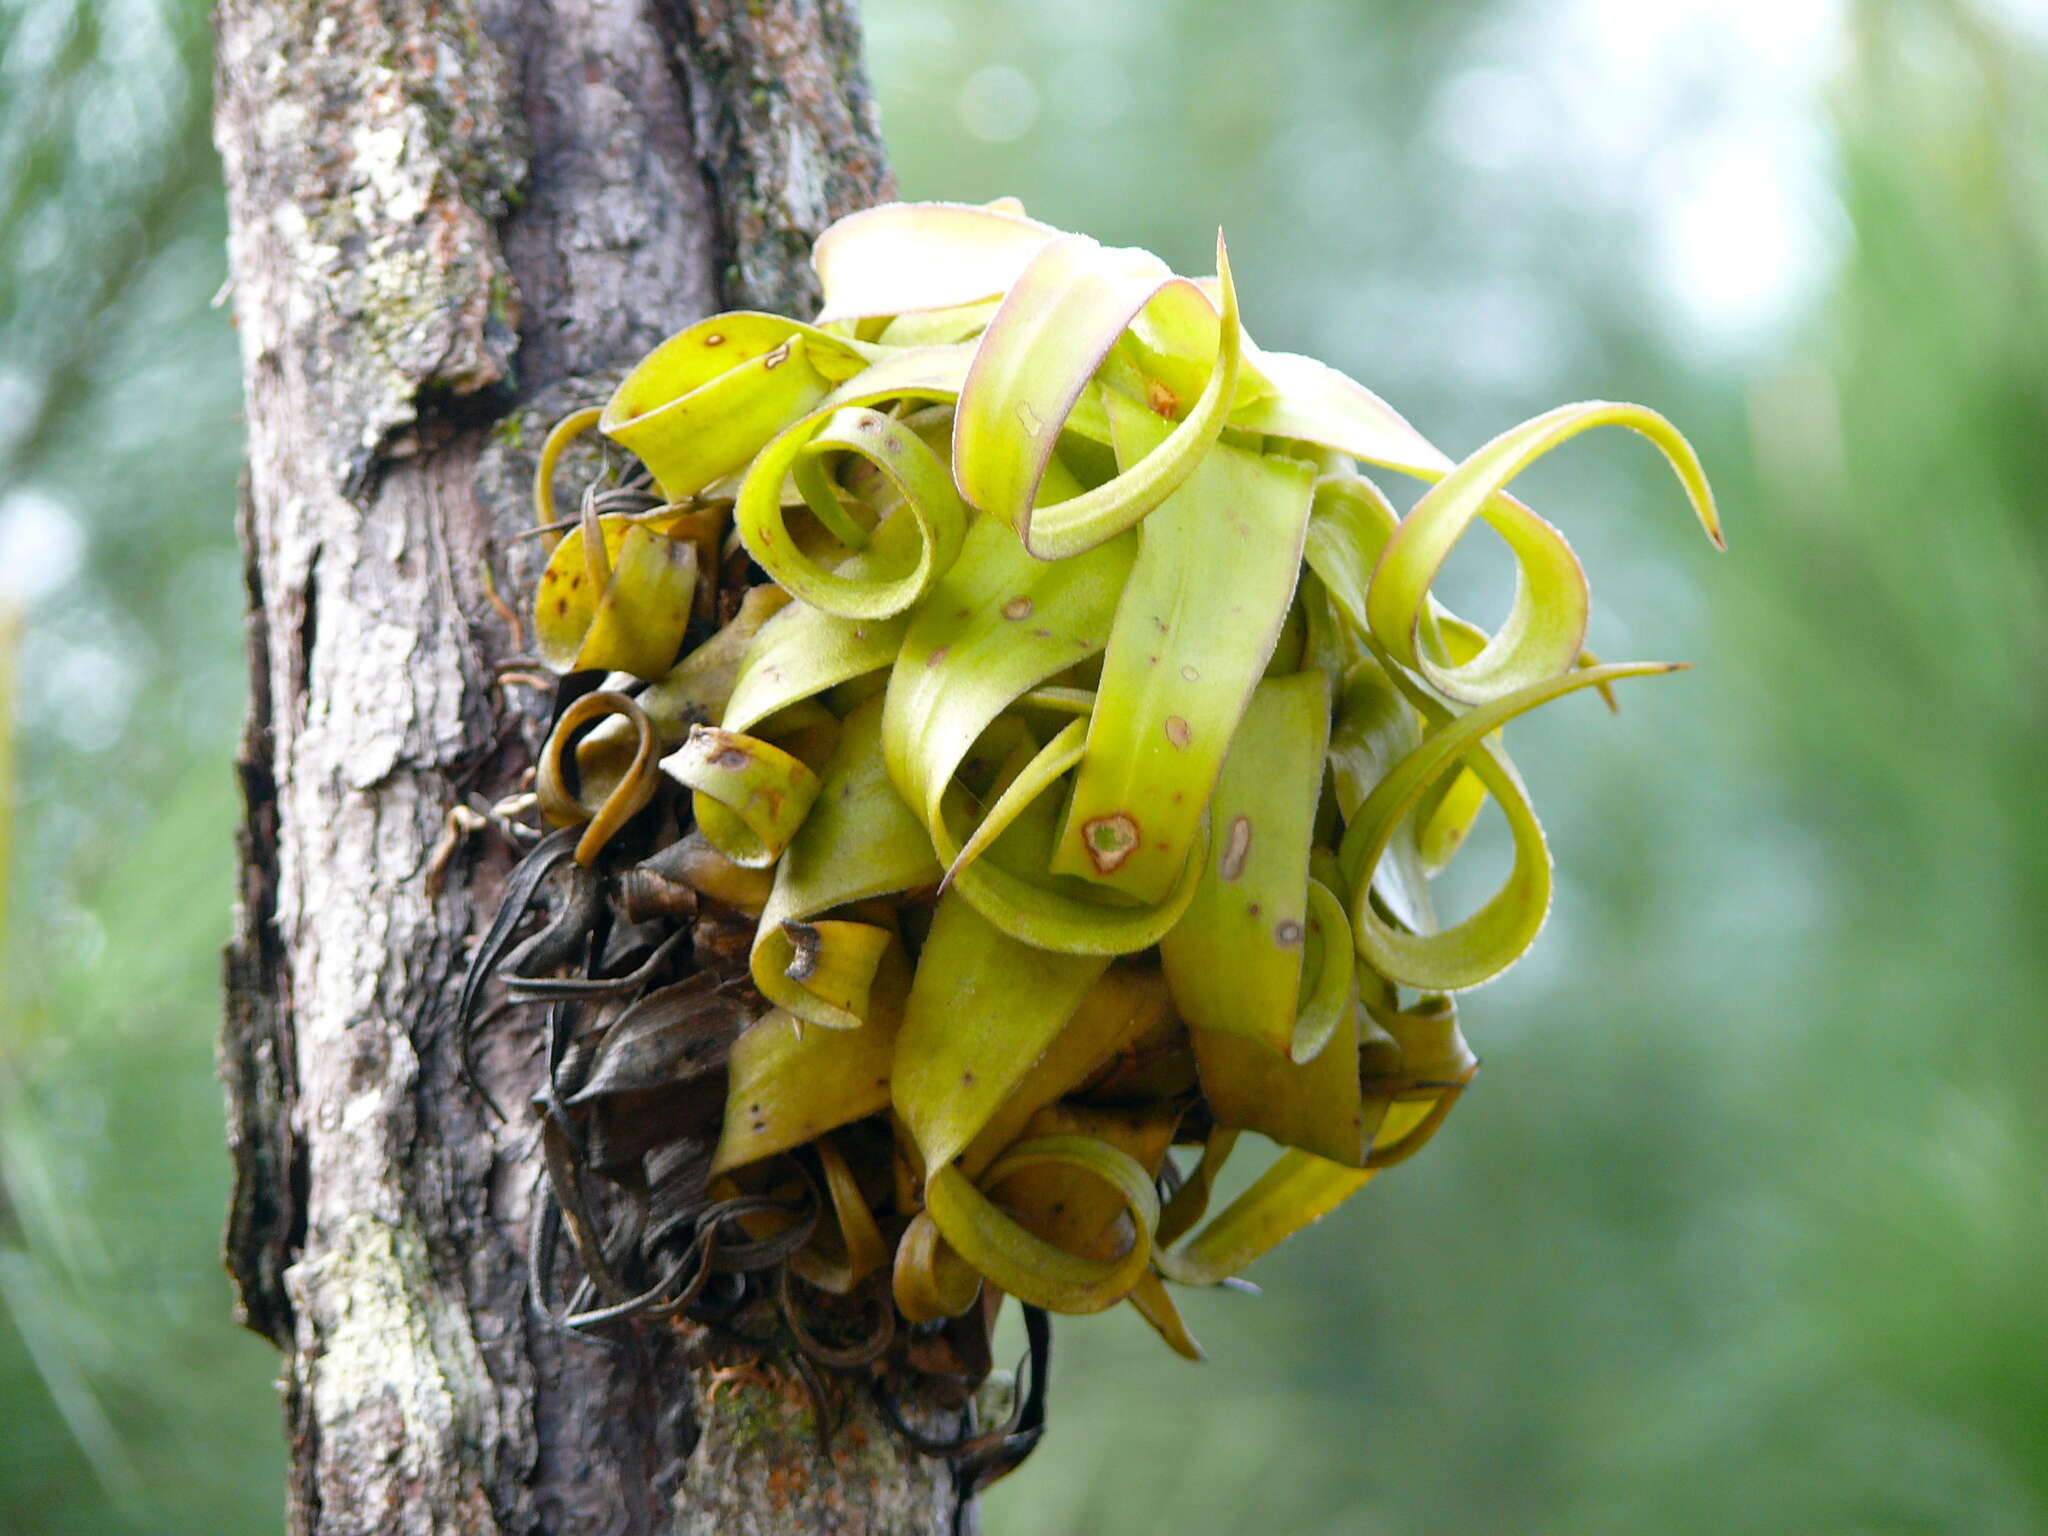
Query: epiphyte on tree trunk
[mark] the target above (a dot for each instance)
(1004, 735)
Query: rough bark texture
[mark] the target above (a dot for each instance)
(451, 219)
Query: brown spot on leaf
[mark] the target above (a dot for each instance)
(1163, 401)
(776, 358)
(732, 759)
(1237, 847)
(803, 944)
(1287, 933)
(1109, 840)
(1192, 674)
(937, 656)
(1177, 731)
(1017, 608)
(715, 339)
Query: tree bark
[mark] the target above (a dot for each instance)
(451, 220)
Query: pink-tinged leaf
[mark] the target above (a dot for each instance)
(1314, 403)
(1045, 343)
(904, 258)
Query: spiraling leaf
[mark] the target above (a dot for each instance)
(1052, 332)
(1025, 1264)
(1494, 937)
(1546, 626)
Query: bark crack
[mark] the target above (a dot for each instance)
(265, 1221)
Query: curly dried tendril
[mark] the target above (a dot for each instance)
(1048, 741)
(619, 802)
(565, 432)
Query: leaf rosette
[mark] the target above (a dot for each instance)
(1049, 762)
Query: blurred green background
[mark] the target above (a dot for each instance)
(1745, 1225)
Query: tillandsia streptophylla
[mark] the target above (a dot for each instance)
(1004, 735)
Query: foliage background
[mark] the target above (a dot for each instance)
(1744, 1228)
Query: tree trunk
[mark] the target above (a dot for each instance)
(451, 221)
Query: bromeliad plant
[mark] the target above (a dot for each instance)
(1042, 736)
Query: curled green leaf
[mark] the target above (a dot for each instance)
(858, 841)
(1546, 625)
(704, 402)
(1053, 331)
(802, 653)
(897, 564)
(1494, 937)
(618, 603)
(1298, 1189)
(751, 796)
(1025, 1264)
